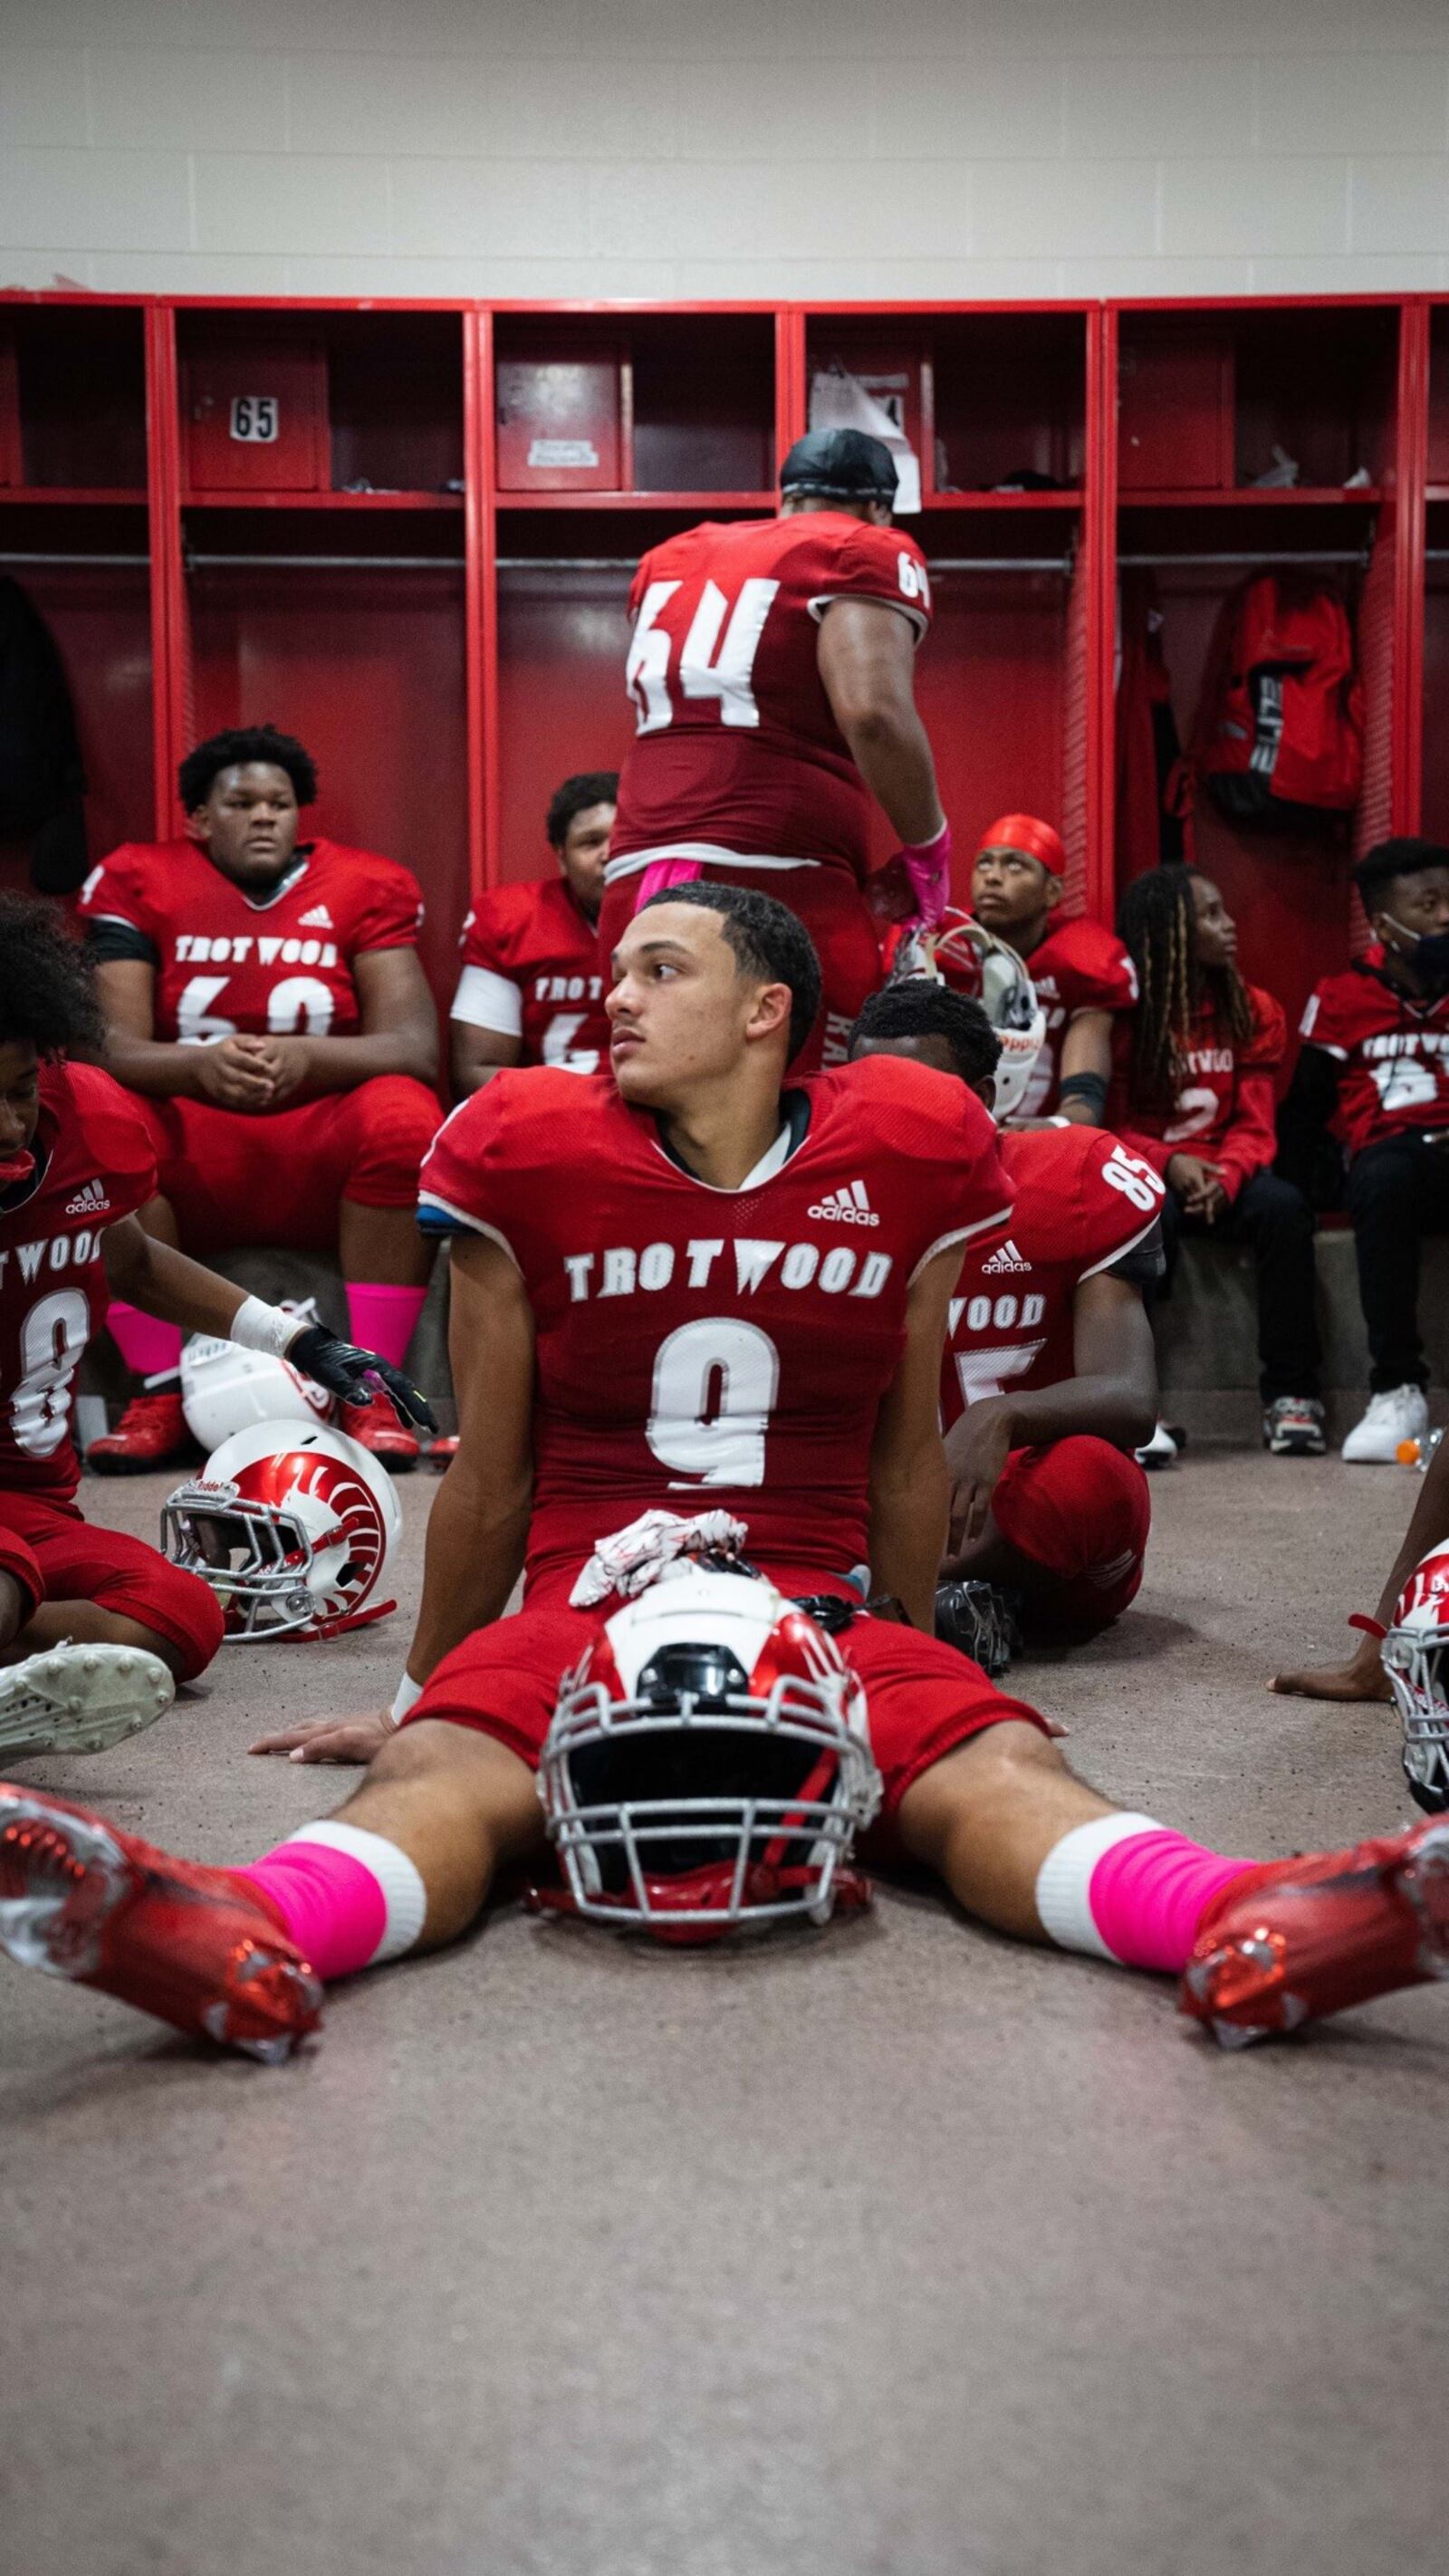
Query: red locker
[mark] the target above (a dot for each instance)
(560, 420)
(12, 462)
(255, 416)
(1175, 413)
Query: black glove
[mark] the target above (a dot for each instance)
(357, 1376)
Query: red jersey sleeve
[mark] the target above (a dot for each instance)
(1114, 1199)
(877, 563)
(390, 910)
(1333, 1016)
(117, 1137)
(494, 1165)
(1251, 1138)
(1094, 970)
(117, 891)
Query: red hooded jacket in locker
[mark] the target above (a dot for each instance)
(1080, 1201)
(699, 1347)
(531, 971)
(228, 962)
(94, 1163)
(1224, 1109)
(1393, 1048)
(737, 754)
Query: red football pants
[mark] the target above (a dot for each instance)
(922, 1698)
(55, 1555)
(1079, 1511)
(830, 905)
(281, 1177)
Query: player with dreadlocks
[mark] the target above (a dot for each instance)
(1193, 1094)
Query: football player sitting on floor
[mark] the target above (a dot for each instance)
(1375, 1069)
(1082, 973)
(664, 1316)
(530, 990)
(1193, 1095)
(1050, 1381)
(264, 1001)
(95, 1627)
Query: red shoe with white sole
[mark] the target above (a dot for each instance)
(197, 1947)
(151, 1433)
(1298, 1939)
(378, 1429)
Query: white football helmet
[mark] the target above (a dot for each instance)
(295, 1530)
(225, 1389)
(975, 962)
(1416, 1659)
(708, 1765)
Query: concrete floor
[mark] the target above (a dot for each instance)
(899, 2251)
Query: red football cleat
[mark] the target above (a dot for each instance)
(197, 1947)
(378, 1429)
(443, 1450)
(1298, 1939)
(151, 1433)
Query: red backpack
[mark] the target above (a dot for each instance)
(1279, 733)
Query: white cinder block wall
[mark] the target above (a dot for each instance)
(725, 147)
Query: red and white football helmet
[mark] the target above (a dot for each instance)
(708, 1766)
(1416, 1659)
(295, 1530)
(974, 961)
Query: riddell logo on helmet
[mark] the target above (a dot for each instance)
(848, 1206)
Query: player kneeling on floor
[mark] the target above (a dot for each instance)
(95, 1627)
(1049, 1381)
(655, 1283)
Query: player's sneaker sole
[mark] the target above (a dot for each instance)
(1303, 1438)
(1294, 1949)
(80, 1900)
(80, 1699)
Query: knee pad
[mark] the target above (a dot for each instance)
(171, 1602)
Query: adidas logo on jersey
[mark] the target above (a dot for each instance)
(848, 1206)
(91, 1201)
(319, 918)
(1008, 1258)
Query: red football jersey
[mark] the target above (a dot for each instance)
(737, 753)
(531, 971)
(1224, 1107)
(94, 1163)
(227, 961)
(1079, 1202)
(1079, 966)
(1394, 1051)
(700, 1347)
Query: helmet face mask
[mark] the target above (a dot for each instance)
(972, 960)
(294, 1530)
(717, 1784)
(1416, 1660)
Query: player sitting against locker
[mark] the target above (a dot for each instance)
(95, 1627)
(264, 1001)
(1049, 1382)
(1375, 1069)
(1081, 971)
(530, 990)
(661, 1305)
(1193, 1095)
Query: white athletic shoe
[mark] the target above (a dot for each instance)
(80, 1699)
(1160, 1450)
(1400, 1414)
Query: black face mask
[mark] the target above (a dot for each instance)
(1429, 955)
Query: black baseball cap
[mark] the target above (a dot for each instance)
(840, 465)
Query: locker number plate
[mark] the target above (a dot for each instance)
(254, 419)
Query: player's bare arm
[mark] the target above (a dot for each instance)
(1363, 1676)
(398, 1033)
(475, 1055)
(232, 1074)
(1086, 1049)
(909, 1485)
(866, 655)
(479, 1520)
(1112, 1396)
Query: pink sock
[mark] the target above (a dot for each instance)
(149, 1348)
(1125, 1888)
(383, 1319)
(348, 1898)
